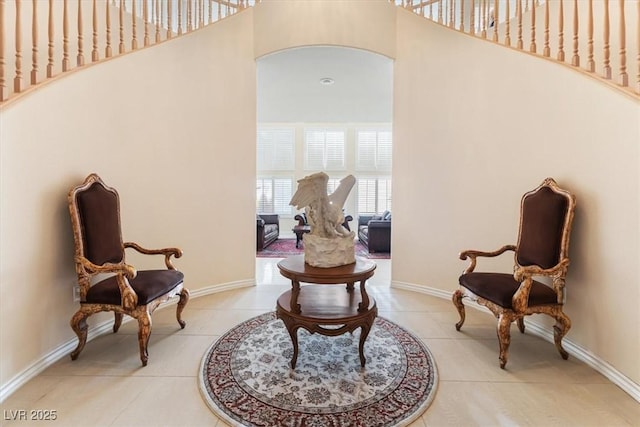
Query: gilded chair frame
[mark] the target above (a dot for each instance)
(129, 305)
(524, 274)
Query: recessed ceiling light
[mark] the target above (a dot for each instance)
(326, 81)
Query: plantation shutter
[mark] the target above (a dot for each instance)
(276, 149)
(366, 148)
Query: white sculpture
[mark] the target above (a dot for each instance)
(328, 244)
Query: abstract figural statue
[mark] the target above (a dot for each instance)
(328, 244)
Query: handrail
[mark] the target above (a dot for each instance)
(604, 34)
(598, 37)
(99, 30)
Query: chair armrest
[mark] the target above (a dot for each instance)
(270, 218)
(473, 254)
(379, 224)
(364, 219)
(167, 252)
(90, 268)
(301, 219)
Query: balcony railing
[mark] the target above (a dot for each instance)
(598, 37)
(43, 39)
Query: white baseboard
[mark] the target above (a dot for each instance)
(66, 348)
(580, 353)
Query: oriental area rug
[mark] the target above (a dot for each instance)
(246, 380)
(283, 248)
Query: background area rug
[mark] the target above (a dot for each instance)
(283, 248)
(246, 380)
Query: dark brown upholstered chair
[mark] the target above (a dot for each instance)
(546, 214)
(95, 218)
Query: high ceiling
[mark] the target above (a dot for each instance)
(289, 87)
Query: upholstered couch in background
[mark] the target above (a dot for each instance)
(374, 231)
(268, 230)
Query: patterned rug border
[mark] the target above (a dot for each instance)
(418, 410)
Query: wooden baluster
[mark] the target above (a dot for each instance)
(34, 43)
(210, 11)
(121, 48)
(624, 78)
(219, 11)
(189, 26)
(519, 44)
(638, 46)
(575, 59)
(451, 14)
(158, 19)
(472, 18)
(561, 31)
(50, 44)
(145, 17)
(65, 37)
(507, 29)
(546, 51)
(107, 50)
(80, 56)
(526, 6)
(3, 92)
(439, 13)
(179, 17)
(494, 20)
(483, 18)
(607, 67)
(533, 47)
(134, 38)
(169, 19)
(201, 13)
(461, 16)
(94, 52)
(17, 80)
(591, 65)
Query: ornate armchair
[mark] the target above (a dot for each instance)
(546, 214)
(95, 218)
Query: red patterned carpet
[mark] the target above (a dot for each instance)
(283, 248)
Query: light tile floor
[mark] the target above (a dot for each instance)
(107, 386)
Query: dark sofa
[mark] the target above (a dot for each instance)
(374, 231)
(268, 230)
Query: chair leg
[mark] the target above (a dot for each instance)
(117, 322)
(560, 329)
(144, 331)
(184, 299)
(79, 325)
(457, 301)
(504, 338)
(521, 324)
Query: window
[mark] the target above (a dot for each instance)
(273, 195)
(373, 150)
(324, 149)
(276, 149)
(374, 195)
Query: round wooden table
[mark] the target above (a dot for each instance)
(314, 307)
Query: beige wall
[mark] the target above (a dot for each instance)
(477, 125)
(173, 128)
(158, 126)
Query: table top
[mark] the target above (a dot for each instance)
(305, 228)
(295, 268)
